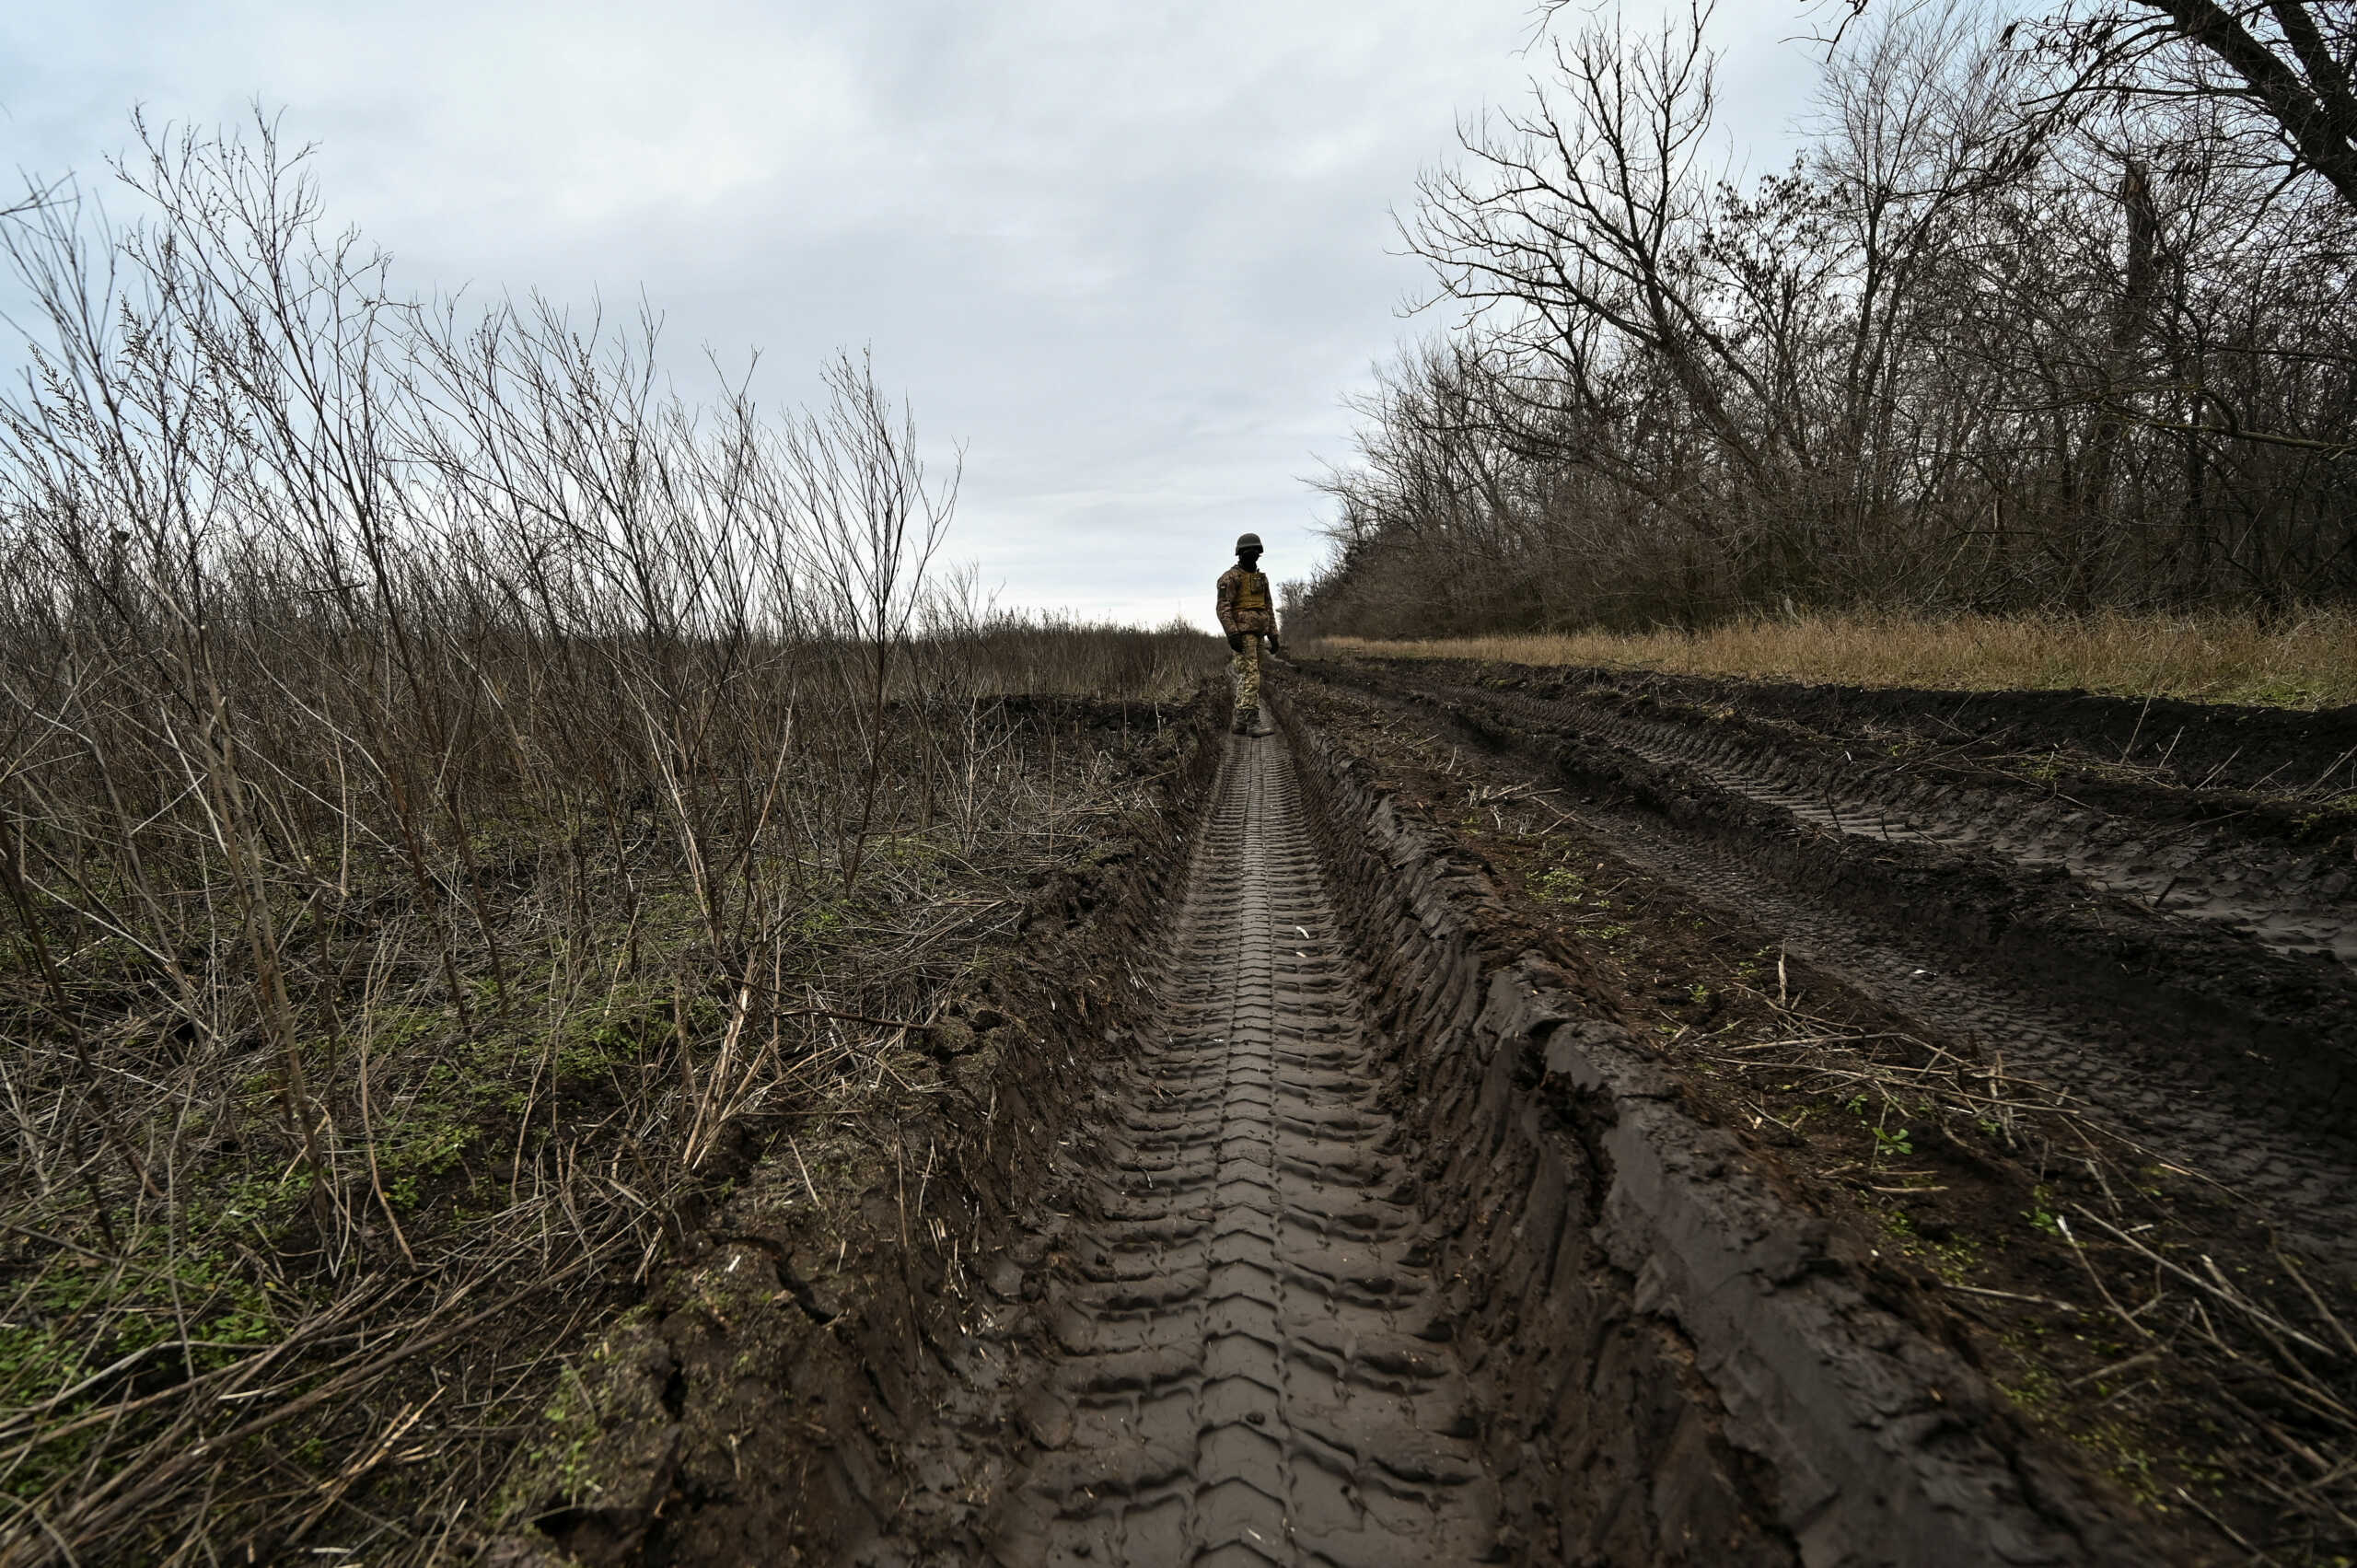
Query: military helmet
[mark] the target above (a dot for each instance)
(1247, 541)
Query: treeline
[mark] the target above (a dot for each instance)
(2053, 313)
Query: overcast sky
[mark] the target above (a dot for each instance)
(1132, 255)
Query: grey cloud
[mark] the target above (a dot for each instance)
(1132, 256)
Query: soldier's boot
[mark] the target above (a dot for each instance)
(1248, 721)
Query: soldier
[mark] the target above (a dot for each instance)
(1247, 617)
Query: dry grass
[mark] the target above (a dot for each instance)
(2310, 662)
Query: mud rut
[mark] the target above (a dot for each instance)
(2268, 893)
(2304, 1182)
(1247, 1368)
(2291, 1156)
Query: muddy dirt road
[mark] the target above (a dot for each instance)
(1243, 1365)
(1369, 1250)
(1474, 1125)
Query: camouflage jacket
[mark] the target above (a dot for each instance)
(1244, 604)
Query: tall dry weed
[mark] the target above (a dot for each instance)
(2309, 661)
(441, 773)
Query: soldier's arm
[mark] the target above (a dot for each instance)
(1227, 586)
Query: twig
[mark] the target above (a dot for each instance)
(344, 1482)
(2010, 1296)
(2063, 1223)
(2219, 1291)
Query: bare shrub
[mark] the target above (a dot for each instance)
(440, 771)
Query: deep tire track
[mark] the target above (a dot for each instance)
(2196, 1125)
(2229, 1128)
(1250, 1368)
(2281, 897)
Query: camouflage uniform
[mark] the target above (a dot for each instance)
(1246, 611)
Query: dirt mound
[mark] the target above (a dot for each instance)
(2230, 863)
(1985, 1143)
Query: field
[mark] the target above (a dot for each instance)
(2308, 661)
(574, 997)
(265, 1241)
(967, 1133)
(460, 809)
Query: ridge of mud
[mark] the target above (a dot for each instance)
(1675, 1365)
(2199, 745)
(2203, 1002)
(2300, 899)
(1810, 1053)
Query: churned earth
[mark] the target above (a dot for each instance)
(2025, 912)
(1538, 1116)
(2110, 1144)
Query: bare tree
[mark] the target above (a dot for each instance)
(2283, 68)
(1996, 340)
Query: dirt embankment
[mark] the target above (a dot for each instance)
(2277, 871)
(2265, 752)
(754, 1406)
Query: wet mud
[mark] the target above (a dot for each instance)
(1680, 1364)
(1282, 1204)
(2221, 1053)
(1377, 1245)
(2175, 744)
(2279, 873)
(1246, 1357)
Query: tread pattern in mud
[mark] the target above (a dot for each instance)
(2197, 1124)
(1247, 1366)
(2294, 1163)
(2285, 897)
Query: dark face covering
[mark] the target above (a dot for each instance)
(1249, 560)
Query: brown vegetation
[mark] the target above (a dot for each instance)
(451, 792)
(2308, 661)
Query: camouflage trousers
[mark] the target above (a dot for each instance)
(1247, 665)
